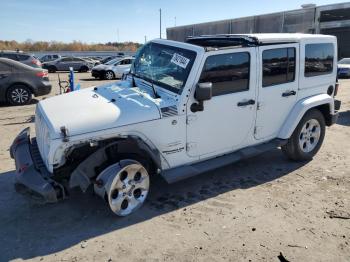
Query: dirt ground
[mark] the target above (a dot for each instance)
(254, 210)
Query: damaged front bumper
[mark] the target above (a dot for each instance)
(334, 117)
(31, 176)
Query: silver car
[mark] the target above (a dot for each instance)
(64, 63)
(113, 69)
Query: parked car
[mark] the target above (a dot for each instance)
(22, 57)
(172, 117)
(112, 69)
(48, 58)
(64, 63)
(19, 82)
(344, 68)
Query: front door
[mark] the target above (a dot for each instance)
(228, 118)
(278, 87)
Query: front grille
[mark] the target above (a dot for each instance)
(41, 132)
(36, 157)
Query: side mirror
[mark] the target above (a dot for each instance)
(203, 93)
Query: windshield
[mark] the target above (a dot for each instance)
(112, 61)
(344, 61)
(164, 65)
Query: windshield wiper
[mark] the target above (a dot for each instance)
(155, 94)
(154, 90)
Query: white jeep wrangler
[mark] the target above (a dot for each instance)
(185, 108)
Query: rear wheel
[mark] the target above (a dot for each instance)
(307, 138)
(52, 69)
(19, 95)
(84, 69)
(126, 186)
(109, 75)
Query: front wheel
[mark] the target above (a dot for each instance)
(109, 75)
(125, 186)
(307, 138)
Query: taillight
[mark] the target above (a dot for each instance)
(36, 62)
(42, 74)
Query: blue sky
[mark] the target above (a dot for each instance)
(100, 20)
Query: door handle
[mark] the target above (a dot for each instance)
(289, 93)
(246, 103)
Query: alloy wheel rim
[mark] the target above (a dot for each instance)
(20, 95)
(128, 189)
(309, 135)
(109, 75)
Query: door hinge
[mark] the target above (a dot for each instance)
(190, 119)
(190, 146)
(258, 106)
(257, 129)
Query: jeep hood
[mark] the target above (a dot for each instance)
(90, 110)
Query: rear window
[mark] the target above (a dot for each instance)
(278, 66)
(318, 59)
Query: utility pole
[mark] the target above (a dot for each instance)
(118, 35)
(175, 20)
(160, 23)
(145, 39)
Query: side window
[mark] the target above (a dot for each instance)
(22, 57)
(318, 59)
(66, 59)
(278, 66)
(229, 73)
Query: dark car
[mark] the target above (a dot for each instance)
(64, 63)
(19, 82)
(24, 58)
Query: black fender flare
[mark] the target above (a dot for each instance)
(84, 173)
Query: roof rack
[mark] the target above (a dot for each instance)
(222, 41)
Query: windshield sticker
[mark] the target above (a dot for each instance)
(180, 60)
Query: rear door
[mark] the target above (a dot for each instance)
(122, 67)
(77, 63)
(64, 63)
(5, 74)
(278, 87)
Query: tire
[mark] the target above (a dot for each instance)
(109, 75)
(52, 69)
(83, 69)
(19, 95)
(124, 185)
(307, 138)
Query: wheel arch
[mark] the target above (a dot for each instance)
(22, 84)
(111, 151)
(323, 102)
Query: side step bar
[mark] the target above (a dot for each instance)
(179, 173)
